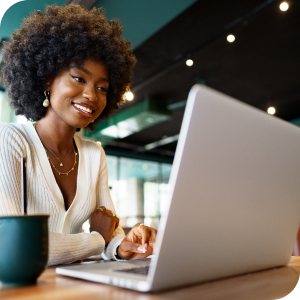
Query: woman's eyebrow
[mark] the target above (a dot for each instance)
(104, 79)
(82, 69)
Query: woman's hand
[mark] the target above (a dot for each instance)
(105, 222)
(138, 243)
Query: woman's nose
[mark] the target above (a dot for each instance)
(90, 93)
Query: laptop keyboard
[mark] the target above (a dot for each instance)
(140, 270)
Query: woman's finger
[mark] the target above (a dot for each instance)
(139, 226)
(145, 234)
(153, 235)
(131, 247)
(117, 223)
(108, 211)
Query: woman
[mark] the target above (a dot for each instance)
(67, 69)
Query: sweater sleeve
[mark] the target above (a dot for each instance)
(63, 248)
(67, 248)
(12, 148)
(104, 199)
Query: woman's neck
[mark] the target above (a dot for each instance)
(58, 137)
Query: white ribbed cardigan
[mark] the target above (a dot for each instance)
(67, 242)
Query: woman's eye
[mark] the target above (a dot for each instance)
(103, 89)
(79, 79)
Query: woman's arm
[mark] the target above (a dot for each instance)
(67, 248)
(63, 248)
(12, 149)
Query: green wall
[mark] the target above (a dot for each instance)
(6, 112)
(14, 15)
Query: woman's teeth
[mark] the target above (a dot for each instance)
(83, 108)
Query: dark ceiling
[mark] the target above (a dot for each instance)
(260, 68)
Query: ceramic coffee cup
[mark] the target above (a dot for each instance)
(23, 248)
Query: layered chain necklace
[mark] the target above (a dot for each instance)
(61, 162)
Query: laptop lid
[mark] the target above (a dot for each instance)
(235, 204)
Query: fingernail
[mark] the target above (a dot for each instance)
(141, 249)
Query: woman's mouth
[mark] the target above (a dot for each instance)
(83, 110)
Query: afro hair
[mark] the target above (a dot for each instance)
(47, 43)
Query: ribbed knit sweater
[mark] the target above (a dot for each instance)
(67, 242)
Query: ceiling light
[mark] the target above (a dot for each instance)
(284, 6)
(271, 110)
(116, 131)
(189, 62)
(150, 120)
(129, 96)
(230, 38)
(114, 162)
(144, 166)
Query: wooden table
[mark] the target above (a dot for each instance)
(270, 284)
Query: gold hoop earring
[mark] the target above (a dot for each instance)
(46, 102)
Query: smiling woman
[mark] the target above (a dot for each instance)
(83, 66)
(53, 41)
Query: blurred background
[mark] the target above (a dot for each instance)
(247, 49)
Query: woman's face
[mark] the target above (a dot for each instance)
(78, 95)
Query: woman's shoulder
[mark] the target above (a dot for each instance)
(12, 131)
(90, 146)
(12, 139)
(6, 126)
(9, 130)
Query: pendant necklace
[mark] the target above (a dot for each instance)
(61, 162)
(61, 173)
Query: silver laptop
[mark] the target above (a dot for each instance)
(235, 201)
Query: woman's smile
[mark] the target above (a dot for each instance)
(84, 109)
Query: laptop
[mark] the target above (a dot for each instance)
(234, 206)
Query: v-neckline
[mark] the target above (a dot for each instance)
(48, 172)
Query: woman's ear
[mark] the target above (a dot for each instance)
(47, 87)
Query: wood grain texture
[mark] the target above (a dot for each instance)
(270, 284)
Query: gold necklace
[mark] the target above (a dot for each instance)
(61, 162)
(61, 173)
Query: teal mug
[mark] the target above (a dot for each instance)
(23, 248)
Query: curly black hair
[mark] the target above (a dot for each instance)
(47, 43)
